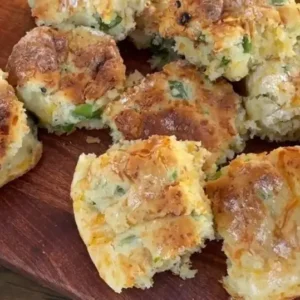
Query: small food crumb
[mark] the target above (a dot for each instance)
(134, 79)
(92, 140)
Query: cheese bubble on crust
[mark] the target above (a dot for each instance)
(181, 101)
(273, 102)
(256, 209)
(66, 76)
(226, 38)
(140, 209)
(114, 17)
(19, 148)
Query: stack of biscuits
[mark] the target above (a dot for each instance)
(171, 181)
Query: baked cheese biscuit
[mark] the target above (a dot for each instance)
(140, 209)
(273, 102)
(66, 76)
(256, 206)
(180, 101)
(225, 38)
(115, 17)
(20, 150)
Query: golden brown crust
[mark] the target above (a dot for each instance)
(140, 209)
(208, 115)
(220, 18)
(19, 149)
(256, 209)
(9, 114)
(148, 167)
(36, 155)
(81, 63)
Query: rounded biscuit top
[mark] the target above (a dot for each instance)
(256, 209)
(116, 18)
(179, 101)
(81, 63)
(12, 121)
(223, 18)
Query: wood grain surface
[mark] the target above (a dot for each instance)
(38, 236)
(16, 287)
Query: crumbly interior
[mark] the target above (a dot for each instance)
(66, 76)
(256, 210)
(140, 209)
(114, 17)
(225, 38)
(20, 150)
(180, 101)
(273, 102)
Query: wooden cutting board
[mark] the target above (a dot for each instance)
(38, 236)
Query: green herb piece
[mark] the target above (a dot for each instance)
(174, 175)
(216, 176)
(128, 240)
(247, 45)
(97, 113)
(156, 259)
(68, 128)
(278, 2)
(106, 27)
(225, 61)
(286, 69)
(178, 90)
(86, 111)
(120, 191)
(263, 193)
(201, 38)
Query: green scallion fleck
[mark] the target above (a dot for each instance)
(177, 89)
(286, 69)
(174, 175)
(67, 128)
(128, 240)
(97, 113)
(84, 110)
(106, 27)
(278, 2)
(247, 45)
(156, 259)
(225, 61)
(216, 176)
(201, 38)
(87, 111)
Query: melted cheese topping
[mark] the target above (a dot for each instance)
(256, 205)
(140, 209)
(180, 101)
